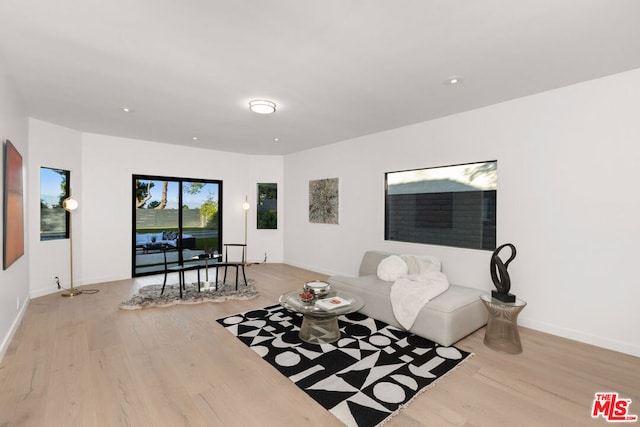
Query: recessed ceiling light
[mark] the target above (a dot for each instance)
(276, 139)
(262, 106)
(195, 138)
(453, 81)
(127, 109)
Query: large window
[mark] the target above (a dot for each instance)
(54, 188)
(177, 217)
(450, 205)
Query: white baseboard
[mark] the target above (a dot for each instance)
(13, 329)
(42, 292)
(262, 261)
(598, 341)
(315, 269)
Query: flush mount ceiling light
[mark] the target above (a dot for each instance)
(262, 106)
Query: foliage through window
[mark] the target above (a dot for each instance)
(449, 205)
(177, 217)
(54, 220)
(267, 211)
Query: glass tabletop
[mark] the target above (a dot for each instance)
(517, 303)
(292, 301)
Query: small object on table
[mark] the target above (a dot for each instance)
(332, 303)
(318, 288)
(502, 326)
(307, 297)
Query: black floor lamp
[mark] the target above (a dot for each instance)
(245, 207)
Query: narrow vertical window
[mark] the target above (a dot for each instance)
(267, 206)
(54, 188)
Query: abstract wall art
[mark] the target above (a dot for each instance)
(13, 213)
(324, 201)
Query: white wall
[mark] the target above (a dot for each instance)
(567, 198)
(101, 172)
(54, 147)
(108, 164)
(14, 282)
(265, 169)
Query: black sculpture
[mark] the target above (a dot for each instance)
(500, 276)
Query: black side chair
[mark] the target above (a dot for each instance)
(179, 268)
(235, 264)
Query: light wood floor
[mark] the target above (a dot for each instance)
(83, 362)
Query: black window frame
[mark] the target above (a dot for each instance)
(266, 216)
(180, 180)
(67, 191)
(433, 220)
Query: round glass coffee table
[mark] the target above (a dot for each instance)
(320, 325)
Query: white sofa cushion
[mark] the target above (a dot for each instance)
(392, 268)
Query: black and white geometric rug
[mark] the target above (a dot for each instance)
(367, 376)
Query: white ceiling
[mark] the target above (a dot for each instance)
(337, 69)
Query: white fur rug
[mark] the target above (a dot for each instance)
(149, 296)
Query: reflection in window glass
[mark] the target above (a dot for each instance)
(450, 205)
(54, 220)
(267, 210)
(175, 219)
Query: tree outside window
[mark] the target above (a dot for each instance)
(267, 206)
(54, 188)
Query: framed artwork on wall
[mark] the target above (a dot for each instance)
(13, 206)
(324, 201)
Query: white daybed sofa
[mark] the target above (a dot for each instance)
(445, 319)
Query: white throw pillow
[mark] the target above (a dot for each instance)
(392, 268)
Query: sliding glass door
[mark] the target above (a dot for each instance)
(176, 218)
